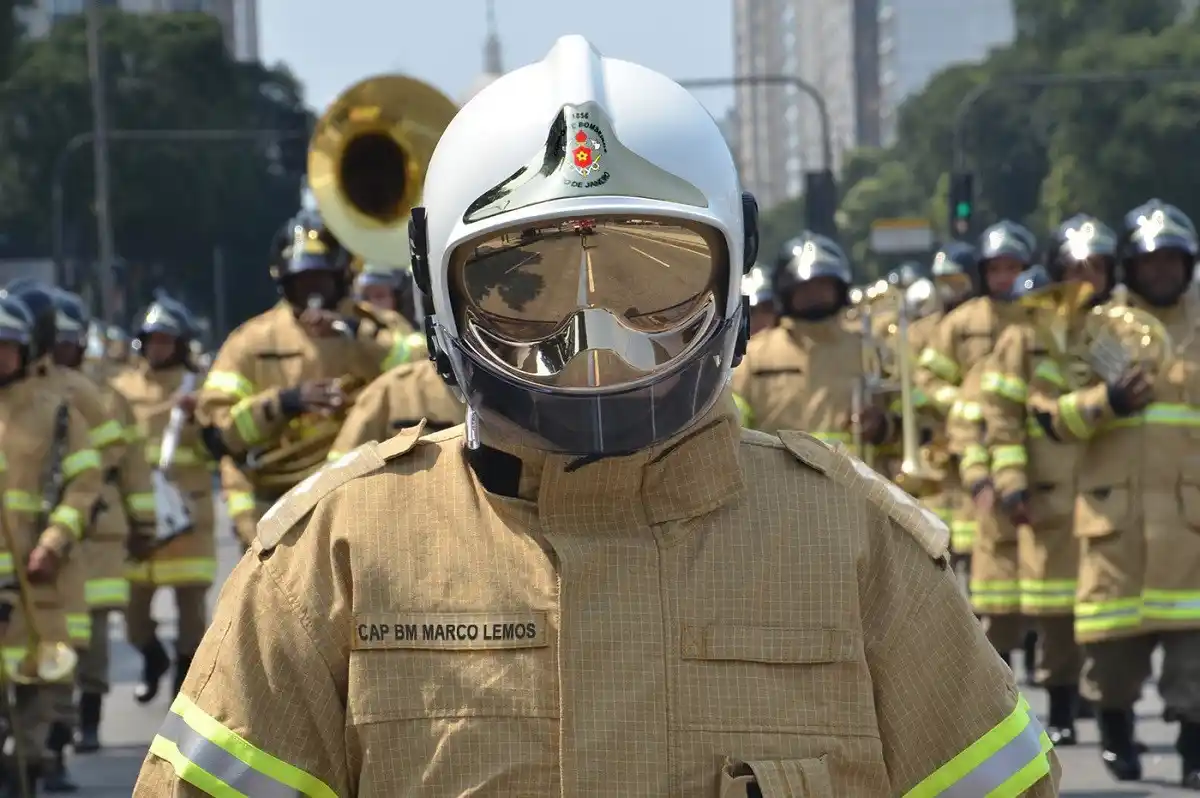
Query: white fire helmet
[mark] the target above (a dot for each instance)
(582, 243)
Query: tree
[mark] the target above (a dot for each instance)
(171, 203)
(10, 32)
(1052, 27)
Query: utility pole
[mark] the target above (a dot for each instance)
(220, 298)
(104, 231)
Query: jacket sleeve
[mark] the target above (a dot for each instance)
(82, 479)
(262, 711)
(951, 719)
(1067, 416)
(938, 372)
(367, 420)
(965, 433)
(1004, 392)
(243, 416)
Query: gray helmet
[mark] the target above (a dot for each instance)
(809, 256)
(1007, 239)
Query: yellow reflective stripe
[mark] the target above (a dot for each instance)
(940, 366)
(967, 411)
(239, 501)
(1012, 388)
(243, 418)
(920, 401)
(995, 594)
(185, 570)
(745, 412)
(334, 454)
(107, 434)
(1068, 410)
(106, 592)
(1008, 456)
(1003, 763)
(22, 501)
(974, 454)
(132, 434)
(962, 535)
(13, 656)
(1162, 414)
(946, 396)
(230, 383)
(402, 350)
(1171, 605)
(1048, 593)
(1049, 371)
(79, 627)
(76, 463)
(68, 518)
(1033, 429)
(140, 502)
(1092, 617)
(831, 437)
(218, 760)
(183, 455)
(6, 563)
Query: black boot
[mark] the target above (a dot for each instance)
(1188, 746)
(90, 705)
(182, 663)
(55, 778)
(15, 787)
(1061, 726)
(1084, 709)
(1029, 655)
(1116, 741)
(155, 664)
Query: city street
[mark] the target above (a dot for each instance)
(128, 729)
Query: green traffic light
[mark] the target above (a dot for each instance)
(962, 210)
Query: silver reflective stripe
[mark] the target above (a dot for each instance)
(1000, 766)
(219, 763)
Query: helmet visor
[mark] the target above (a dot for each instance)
(586, 304)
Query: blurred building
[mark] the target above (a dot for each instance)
(832, 45)
(919, 38)
(493, 61)
(239, 18)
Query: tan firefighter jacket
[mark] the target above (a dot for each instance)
(1138, 508)
(950, 370)
(802, 376)
(35, 421)
(720, 611)
(191, 557)
(398, 399)
(1025, 460)
(271, 353)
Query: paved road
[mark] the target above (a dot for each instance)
(128, 729)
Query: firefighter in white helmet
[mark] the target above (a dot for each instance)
(601, 584)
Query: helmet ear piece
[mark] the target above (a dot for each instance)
(750, 231)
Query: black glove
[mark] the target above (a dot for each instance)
(1130, 393)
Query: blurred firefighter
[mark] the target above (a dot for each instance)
(52, 478)
(1138, 507)
(185, 564)
(1034, 476)
(952, 367)
(118, 348)
(803, 373)
(107, 437)
(756, 287)
(390, 292)
(122, 522)
(281, 383)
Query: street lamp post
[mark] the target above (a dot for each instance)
(779, 80)
(1053, 79)
(58, 211)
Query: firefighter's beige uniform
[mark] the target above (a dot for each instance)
(396, 400)
(1025, 460)
(186, 565)
(801, 375)
(126, 508)
(28, 421)
(240, 399)
(720, 610)
(1138, 517)
(950, 374)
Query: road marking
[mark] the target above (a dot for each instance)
(651, 257)
(528, 258)
(591, 282)
(652, 240)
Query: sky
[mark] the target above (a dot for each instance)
(330, 45)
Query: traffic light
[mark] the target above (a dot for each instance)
(962, 201)
(820, 203)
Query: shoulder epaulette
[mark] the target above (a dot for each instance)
(301, 499)
(839, 465)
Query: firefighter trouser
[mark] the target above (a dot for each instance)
(1059, 658)
(61, 697)
(1114, 672)
(92, 672)
(27, 710)
(190, 603)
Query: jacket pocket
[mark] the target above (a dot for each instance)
(776, 778)
(1102, 510)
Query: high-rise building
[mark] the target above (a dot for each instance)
(862, 56)
(238, 18)
(493, 60)
(919, 38)
(832, 45)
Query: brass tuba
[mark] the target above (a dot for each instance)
(367, 162)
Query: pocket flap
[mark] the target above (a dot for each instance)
(776, 778)
(769, 644)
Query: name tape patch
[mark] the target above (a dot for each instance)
(453, 631)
